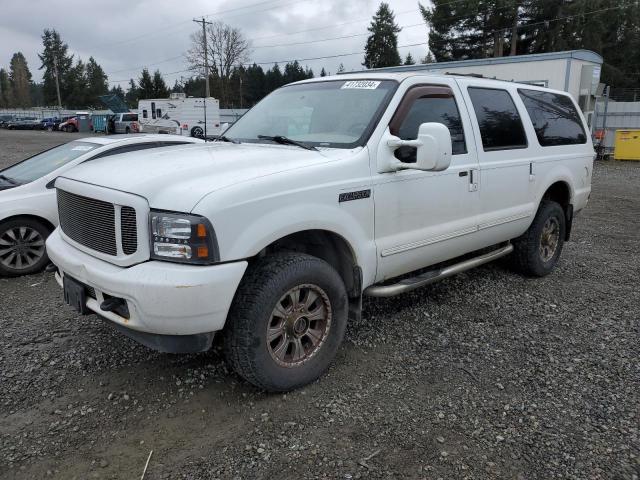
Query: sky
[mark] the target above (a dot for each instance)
(124, 35)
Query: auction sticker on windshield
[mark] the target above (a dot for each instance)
(363, 84)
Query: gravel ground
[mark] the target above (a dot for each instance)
(485, 375)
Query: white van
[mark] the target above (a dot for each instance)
(180, 115)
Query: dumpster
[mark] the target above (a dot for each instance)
(627, 145)
(100, 123)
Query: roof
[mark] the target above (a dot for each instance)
(585, 55)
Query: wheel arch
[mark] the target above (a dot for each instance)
(330, 246)
(560, 192)
(50, 226)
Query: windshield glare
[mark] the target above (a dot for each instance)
(46, 162)
(324, 114)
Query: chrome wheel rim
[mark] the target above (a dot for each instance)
(549, 239)
(21, 247)
(299, 325)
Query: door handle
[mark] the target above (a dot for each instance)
(463, 174)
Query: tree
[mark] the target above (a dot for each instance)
(409, 60)
(226, 49)
(55, 52)
(118, 91)
(160, 89)
(381, 49)
(323, 73)
(76, 86)
(255, 84)
(145, 85)
(96, 82)
(273, 79)
(20, 81)
(6, 97)
(133, 93)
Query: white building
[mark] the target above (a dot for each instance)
(574, 71)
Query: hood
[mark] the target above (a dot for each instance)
(177, 178)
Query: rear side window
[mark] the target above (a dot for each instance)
(144, 114)
(554, 117)
(500, 124)
(130, 117)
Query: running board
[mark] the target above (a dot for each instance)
(431, 276)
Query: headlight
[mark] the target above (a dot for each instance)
(180, 237)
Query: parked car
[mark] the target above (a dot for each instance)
(50, 124)
(23, 123)
(327, 190)
(28, 210)
(69, 125)
(5, 119)
(126, 122)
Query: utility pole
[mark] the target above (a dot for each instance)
(206, 70)
(55, 74)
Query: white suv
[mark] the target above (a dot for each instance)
(327, 190)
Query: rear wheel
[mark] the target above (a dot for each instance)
(197, 132)
(286, 322)
(22, 247)
(536, 253)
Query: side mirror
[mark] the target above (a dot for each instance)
(433, 148)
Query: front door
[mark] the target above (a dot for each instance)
(422, 218)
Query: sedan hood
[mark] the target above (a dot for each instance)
(177, 178)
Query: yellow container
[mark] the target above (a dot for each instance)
(627, 145)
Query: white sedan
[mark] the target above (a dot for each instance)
(28, 207)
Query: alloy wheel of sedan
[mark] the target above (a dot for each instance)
(21, 247)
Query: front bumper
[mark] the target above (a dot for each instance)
(163, 298)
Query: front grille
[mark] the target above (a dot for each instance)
(129, 230)
(88, 221)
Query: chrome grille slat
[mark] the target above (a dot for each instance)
(88, 221)
(129, 230)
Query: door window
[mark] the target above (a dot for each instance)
(554, 117)
(425, 104)
(498, 118)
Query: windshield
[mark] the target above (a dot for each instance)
(46, 162)
(339, 113)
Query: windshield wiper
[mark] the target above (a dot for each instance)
(224, 138)
(10, 180)
(286, 141)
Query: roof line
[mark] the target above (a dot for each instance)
(585, 55)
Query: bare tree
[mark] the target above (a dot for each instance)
(226, 48)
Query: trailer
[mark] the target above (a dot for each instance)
(180, 115)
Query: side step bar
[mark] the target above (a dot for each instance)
(432, 276)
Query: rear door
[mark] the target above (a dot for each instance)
(506, 160)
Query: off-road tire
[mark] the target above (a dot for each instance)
(526, 257)
(245, 335)
(35, 225)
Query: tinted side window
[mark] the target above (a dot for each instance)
(554, 117)
(498, 118)
(432, 109)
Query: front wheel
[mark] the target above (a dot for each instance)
(286, 322)
(537, 251)
(22, 247)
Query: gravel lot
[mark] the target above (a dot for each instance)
(485, 375)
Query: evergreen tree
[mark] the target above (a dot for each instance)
(160, 89)
(381, 49)
(133, 94)
(55, 50)
(409, 60)
(273, 79)
(118, 91)
(177, 88)
(145, 85)
(20, 81)
(96, 81)
(6, 97)
(323, 73)
(75, 95)
(255, 87)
